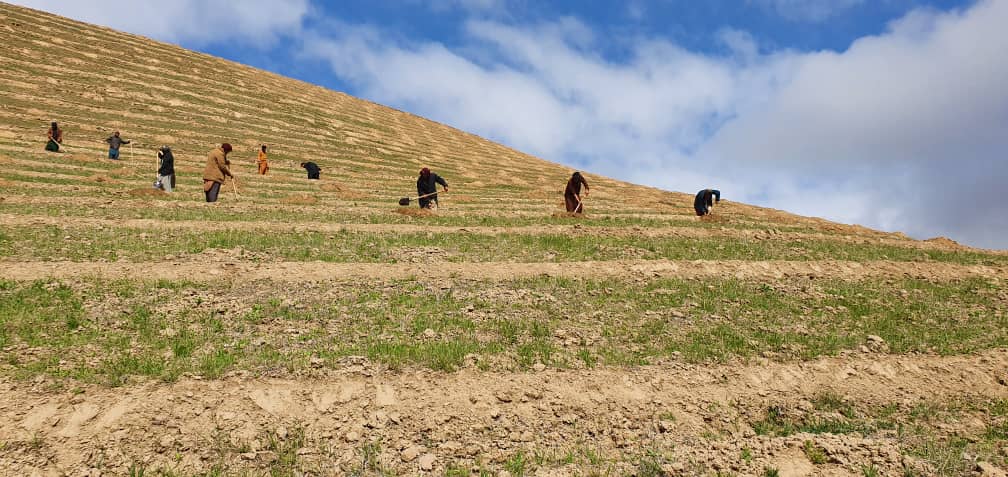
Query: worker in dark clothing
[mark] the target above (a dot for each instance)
(114, 141)
(426, 185)
(703, 202)
(572, 194)
(55, 138)
(166, 169)
(313, 169)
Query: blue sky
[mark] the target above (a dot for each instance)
(888, 113)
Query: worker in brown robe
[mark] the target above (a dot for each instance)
(572, 194)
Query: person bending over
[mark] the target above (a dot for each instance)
(705, 200)
(313, 169)
(426, 185)
(572, 194)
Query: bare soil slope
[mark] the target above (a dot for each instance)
(316, 328)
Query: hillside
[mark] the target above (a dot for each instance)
(304, 327)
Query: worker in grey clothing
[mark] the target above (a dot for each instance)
(114, 141)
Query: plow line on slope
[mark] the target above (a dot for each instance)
(496, 271)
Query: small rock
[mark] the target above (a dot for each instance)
(503, 396)
(426, 462)
(539, 367)
(410, 453)
(875, 339)
(317, 362)
(495, 413)
(429, 334)
(987, 469)
(666, 425)
(352, 436)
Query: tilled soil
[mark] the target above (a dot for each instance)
(225, 263)
(699, 417)
(573, 229)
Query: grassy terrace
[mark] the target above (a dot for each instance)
(111, 331)
(53, 242)
(931, 431)
(160, 209)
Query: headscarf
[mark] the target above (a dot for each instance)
(226, 147)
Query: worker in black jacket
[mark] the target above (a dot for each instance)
(312, 168)
(703, 202)
(166, 169)
(426, 185)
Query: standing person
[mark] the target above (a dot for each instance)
(426, 185)
(55, 138)
(114, 141)
(312, 168)
(216, 172)
(572, 194)
(263, 165)
(166, 169)
(703, 202)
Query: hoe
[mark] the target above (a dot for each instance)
(407, 200)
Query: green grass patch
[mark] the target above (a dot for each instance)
(112, 331)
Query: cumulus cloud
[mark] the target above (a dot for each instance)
(194, 22)
(472, 6)
(808, 10)
(902, 131)
(914, 119)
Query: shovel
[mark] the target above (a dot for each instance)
(406, 200)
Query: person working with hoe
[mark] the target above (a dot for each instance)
(216, 172)
(55, 138)
(703, 202)
(313, 169)
(166, 170)
(572, 194)
(426, 188)
(114, 141)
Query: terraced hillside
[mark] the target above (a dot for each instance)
(316, 328)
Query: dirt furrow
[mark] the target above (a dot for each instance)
(574, 229)
(205, 268)
(469, 416)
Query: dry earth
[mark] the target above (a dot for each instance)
(431, 420)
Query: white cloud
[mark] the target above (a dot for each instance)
(808, 10)
(193, 22)
(472, 6)
(904, 130)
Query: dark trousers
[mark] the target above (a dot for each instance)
(427, 202)
(211, 195)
